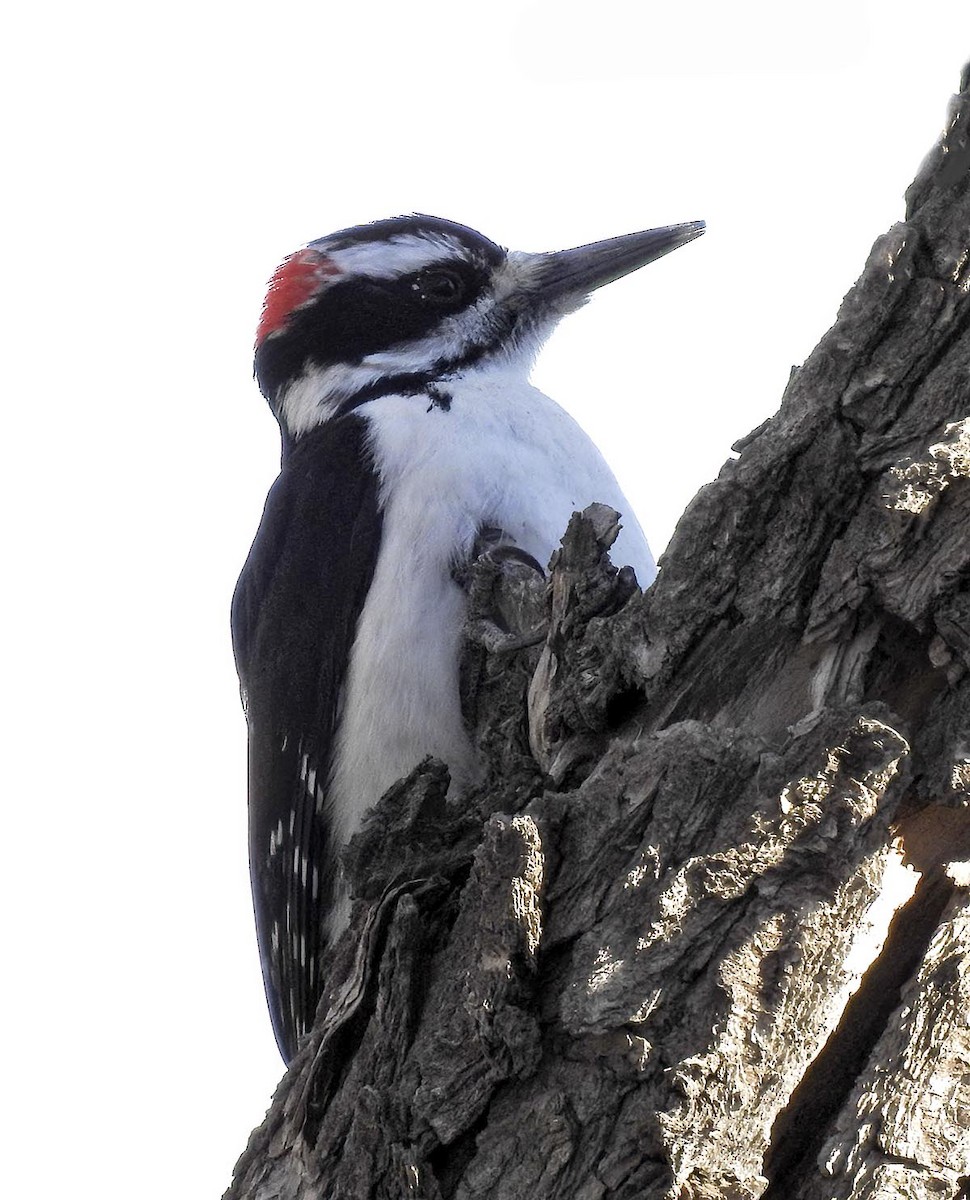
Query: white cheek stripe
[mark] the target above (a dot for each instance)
(316, 395)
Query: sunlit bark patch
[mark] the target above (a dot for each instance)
(605, 967)
(866, 789)
(960, 776)
(916, 484)
(527, 887)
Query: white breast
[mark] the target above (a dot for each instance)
(502, 454)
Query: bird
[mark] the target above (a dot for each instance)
(395, 356)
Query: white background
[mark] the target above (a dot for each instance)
(161, 161)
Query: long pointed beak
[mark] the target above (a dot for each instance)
(577, 272)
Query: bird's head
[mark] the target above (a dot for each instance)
(398, 304)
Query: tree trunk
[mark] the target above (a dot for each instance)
(620, 967)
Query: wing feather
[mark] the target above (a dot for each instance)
(294, 616)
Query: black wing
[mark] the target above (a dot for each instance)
(294, 615)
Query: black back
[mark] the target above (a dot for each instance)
(294, 617)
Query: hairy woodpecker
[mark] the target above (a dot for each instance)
(395, 357)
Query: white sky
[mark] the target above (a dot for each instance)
(163, 161)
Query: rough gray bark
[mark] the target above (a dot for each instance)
(619, 968)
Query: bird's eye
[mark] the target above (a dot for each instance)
(445, 289)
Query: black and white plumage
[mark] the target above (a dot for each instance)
(396, 358)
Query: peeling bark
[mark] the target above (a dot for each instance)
(620, 967)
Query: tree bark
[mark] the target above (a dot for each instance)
(619, 968)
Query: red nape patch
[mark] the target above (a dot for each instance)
(296, 280)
